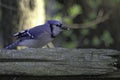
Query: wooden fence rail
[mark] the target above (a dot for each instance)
(60, 62)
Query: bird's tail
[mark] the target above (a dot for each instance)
(13, 45)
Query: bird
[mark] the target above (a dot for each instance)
(38, 36)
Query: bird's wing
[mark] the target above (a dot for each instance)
(40, 41)
(30, 34)
(24, 33)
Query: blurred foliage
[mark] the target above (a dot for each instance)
(74, 10)
(85, 32)
(92, 15)
(96, 41)
(94, 3)
(83, 11)
(58, 16)
(107, 38)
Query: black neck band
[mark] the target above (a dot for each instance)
(51, 28)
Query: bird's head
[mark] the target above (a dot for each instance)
(56, 27)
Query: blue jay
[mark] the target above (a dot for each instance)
(38, 36)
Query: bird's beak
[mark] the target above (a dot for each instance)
(65, 27)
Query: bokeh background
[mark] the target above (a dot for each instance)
(94, 23)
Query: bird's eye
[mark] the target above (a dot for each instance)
(57, 25)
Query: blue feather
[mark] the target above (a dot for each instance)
(38, 36)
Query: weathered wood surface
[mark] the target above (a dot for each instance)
(58, 61)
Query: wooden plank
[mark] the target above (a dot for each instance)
(58, 61)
